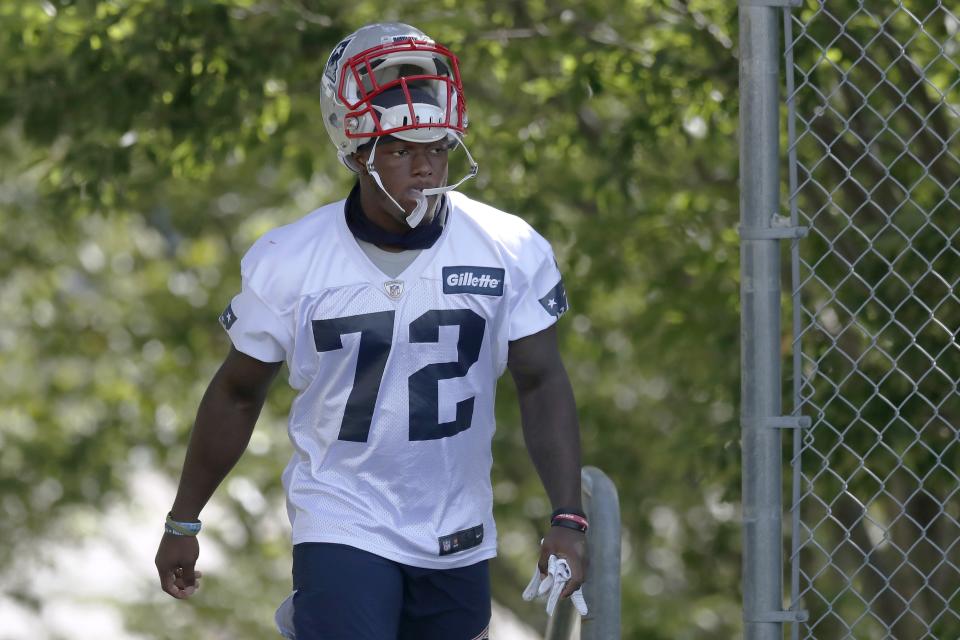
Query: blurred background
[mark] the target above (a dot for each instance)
(145, 144)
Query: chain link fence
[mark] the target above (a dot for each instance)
(873, 98)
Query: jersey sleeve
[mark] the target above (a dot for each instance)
(539, 298)
(255, 326)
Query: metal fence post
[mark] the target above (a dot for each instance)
(760, 320)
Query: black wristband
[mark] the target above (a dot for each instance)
(569, 524)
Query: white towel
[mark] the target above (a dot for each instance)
(558, 573)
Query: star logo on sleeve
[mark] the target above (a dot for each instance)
(555, 302)
(228, 317)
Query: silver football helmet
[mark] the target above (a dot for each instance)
(391, 79)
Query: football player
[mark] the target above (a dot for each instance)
(395, 310)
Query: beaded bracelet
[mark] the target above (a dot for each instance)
(178, 528)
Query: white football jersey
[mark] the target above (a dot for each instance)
(396, 377)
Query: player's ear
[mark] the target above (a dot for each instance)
(357, 161)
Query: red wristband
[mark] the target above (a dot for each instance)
(579, 521)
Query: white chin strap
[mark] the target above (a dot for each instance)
(416, 216)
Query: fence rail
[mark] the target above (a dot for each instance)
(601, 590)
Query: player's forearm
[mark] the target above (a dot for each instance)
(552, 435)
(219, 437)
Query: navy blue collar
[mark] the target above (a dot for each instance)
(421, 237)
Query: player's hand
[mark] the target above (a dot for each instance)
(571, 545)
(175, 562)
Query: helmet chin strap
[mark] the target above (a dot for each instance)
(416, 216)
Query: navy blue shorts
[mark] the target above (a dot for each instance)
(343, 593)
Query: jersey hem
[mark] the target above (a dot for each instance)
(535, 328)
(481, 553)
(265, 356)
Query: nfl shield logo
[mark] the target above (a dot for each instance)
(394, 288)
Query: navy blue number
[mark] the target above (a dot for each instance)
(425, 384)
(376, 336)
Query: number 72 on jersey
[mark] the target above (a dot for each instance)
(376, 337)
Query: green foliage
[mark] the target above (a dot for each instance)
(146, 144)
